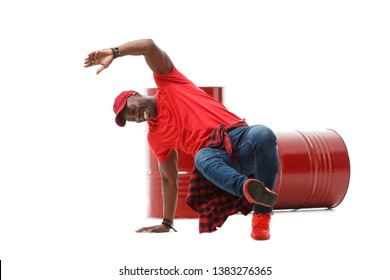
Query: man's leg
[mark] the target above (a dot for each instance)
(256, 147)
(217, 167)
(258, 155)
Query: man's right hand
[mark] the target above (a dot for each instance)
(101, 57)
(156, 229)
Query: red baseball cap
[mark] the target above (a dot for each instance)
(119, 104)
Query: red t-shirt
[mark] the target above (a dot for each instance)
(186, 116)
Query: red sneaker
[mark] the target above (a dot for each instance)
(256, 192)
(260, 226)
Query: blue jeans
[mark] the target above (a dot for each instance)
(258, 158)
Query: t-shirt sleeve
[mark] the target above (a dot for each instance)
(161, 152)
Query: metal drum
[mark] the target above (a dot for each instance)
(185, 166)
(314, 169)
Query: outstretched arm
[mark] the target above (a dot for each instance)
(158, 61)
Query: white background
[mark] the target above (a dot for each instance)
(73, 185)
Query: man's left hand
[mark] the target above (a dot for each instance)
(156, 229)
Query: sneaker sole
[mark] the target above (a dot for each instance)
(258, 193)
(262, 237)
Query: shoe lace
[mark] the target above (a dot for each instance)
(261, 220)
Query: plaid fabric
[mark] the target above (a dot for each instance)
(213, 204)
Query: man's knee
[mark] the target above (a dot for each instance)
(267, 147)
(201, 158)
(264, 137)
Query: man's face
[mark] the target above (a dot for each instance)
(138, 109)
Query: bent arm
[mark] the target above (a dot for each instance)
(169, 178)
(157, 60)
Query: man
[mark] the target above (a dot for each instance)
(235, 164)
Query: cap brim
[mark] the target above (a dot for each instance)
(119, 121)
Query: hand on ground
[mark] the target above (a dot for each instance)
(158, 229)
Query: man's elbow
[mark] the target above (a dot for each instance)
(149, 45)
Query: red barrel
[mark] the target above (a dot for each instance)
(185, 166)
(314, 169)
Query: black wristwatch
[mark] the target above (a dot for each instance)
(115, 52)
(168, 223)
